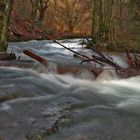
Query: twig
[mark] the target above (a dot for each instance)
(84, 56)
(102, 58)
(93, 47)
(79, 54)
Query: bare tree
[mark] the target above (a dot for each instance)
(39, 6)
(34, 4)
(71, 13)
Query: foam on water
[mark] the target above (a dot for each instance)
(107, 87)
(41, 98)
(56, 53)
(32, 100)
(121, 94)
(108, 74)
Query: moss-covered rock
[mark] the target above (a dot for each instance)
(4, 21)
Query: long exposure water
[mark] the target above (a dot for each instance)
(33, 100)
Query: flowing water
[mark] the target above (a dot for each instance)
(33, 100)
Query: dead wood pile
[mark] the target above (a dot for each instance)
(102, 60)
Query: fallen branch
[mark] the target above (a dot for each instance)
(93, 47)
(97, 58)
(102, 58)
(79, 54)
(82, 55)
(36, 57)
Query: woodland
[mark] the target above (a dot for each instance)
(69, 69)
(109, 22)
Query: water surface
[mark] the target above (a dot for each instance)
(34, 100)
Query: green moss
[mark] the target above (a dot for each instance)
(4, 25)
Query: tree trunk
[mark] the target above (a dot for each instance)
(33, 15)
(34, 7)
(101, 20)
(121, 27)
(43, 5)
(5, 9)
(41, 14)
(94, 20)
(108, 22)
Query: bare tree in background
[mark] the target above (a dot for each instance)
(38, 6)
(34, 4)
(71, 12)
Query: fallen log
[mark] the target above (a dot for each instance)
(97, 58)
(82, 56)
(36, 57)
(124, 73)
(102, 57)
(62, 69)
(7, 56)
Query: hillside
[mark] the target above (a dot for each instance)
(22, 29)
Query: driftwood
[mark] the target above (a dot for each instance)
(100, 58)
(36, 57)
(7, 56)
(62, 69)
(82, 56)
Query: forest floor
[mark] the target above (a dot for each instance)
(21, 29)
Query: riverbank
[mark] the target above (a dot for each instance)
(21, 29)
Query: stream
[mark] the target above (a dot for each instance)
(39, 104)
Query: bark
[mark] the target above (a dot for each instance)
(36, 57)
(33, 14)
(43, 5)
(69, 15)
(101, 19)
(7, 56)
(41, 14)
(102, 57)
(109, 22)
(4, 21)
(94, 20)
(34, 4)
(121, 15)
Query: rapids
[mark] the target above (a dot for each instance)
(33, 100)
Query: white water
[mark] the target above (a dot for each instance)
(120, 94)
(109, 105)
(56, 53)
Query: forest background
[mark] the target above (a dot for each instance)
(112, 22)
